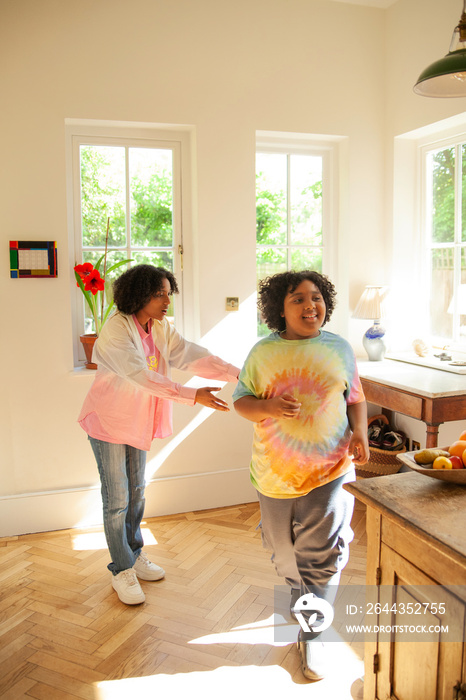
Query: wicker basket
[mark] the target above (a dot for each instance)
(381, 462)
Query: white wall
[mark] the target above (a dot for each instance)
(227, 69)
(417, 34)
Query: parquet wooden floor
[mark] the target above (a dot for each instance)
(204, 631)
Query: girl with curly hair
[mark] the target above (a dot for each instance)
(130, 403)
(300, 388)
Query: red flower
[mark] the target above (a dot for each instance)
(83, 270)
(93, 282)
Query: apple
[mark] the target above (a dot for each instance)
(442, 463)
(456, 462)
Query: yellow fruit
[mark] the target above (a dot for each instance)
(427, 456)
(442, 463)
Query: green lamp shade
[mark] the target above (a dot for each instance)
(444, 78)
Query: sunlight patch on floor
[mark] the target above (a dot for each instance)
(230, 682)
(96, 540)
(260, 632)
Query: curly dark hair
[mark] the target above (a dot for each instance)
(136, 287)
(273, 290)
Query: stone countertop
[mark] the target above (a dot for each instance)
(415, 379)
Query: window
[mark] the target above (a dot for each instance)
(131, 181)
(130, 189)
(293, 205)
(444, 226)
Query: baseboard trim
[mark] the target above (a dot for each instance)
(76, 508)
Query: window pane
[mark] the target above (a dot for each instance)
(463, 193)
(161, 258)
(289, 226)
(442, 186)
(306, 259)
(271, 179)
(306, 199)
(113, 256)
(151, 177)
(442, 277)
(102, 194)
(269, 261)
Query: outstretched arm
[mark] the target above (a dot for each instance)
(359, 445)
(257, 410)
(205, 397)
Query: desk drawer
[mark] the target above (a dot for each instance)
(393, 399)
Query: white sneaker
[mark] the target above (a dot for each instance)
(314, 658)
(146, 570)
(127, 587)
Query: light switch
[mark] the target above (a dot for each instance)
(232, 304)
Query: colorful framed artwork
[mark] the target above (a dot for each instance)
(33, 259)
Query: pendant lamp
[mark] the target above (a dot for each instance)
(447, 77)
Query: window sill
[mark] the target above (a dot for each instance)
(81, 371)
(431, 361)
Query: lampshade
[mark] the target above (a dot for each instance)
(447, 76)
(371, 303)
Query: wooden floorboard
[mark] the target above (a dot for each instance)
(205, 630)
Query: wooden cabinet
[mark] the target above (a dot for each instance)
(416, 530)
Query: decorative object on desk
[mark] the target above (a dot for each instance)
(371, 305)
(443, 357)
(420, 348)
(385, 443)
(36, 259)
(447, 76)
(96, 293)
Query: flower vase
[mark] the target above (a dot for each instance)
(88, 340)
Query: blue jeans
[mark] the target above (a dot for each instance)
(122, 476)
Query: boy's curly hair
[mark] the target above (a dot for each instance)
(273, 290)
(136, 287)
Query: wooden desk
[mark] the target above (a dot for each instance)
(430, 395)
(415, 537)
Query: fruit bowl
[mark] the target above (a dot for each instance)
(454, 476)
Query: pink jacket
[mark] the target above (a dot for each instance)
(132, 403)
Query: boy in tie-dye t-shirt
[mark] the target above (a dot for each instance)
(300, 388)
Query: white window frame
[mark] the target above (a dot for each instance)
(332, 151)
(129, 135)
(410, 268)
(426, 233)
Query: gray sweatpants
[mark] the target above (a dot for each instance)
(309, 536)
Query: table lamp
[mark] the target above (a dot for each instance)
(370, 305)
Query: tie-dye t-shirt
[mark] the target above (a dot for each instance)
(290, 457)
